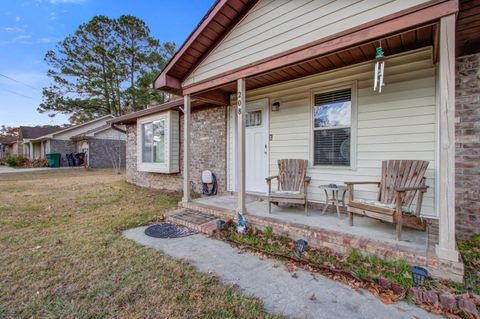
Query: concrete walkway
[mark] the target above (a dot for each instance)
(6, 169)
(280, 292)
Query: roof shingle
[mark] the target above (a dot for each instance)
(30, 132)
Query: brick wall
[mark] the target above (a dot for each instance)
(101, 151)
(64, 148)
(208, 151)
(467, 130)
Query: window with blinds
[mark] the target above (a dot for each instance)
(332, 127)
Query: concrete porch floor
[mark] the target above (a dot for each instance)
(363, 227)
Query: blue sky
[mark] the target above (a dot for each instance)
(28, 28)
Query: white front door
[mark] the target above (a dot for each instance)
(256, 146)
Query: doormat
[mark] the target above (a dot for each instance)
(166, 230)
(192, 217)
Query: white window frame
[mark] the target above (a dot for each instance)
(166, 166)
(353, 124)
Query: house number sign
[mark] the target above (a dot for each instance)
(239, 103)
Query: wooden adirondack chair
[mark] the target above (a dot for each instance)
(401, 181)
(292, 184)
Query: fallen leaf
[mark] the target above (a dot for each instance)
(386, 299)
(401, 309)
(312, 297)
(274, 265)
(290, 267)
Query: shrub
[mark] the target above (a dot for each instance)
(21, 161)
(16, 161)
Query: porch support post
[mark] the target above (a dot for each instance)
(241, 108)
(186, 147)
(446, 128)
(31, 155)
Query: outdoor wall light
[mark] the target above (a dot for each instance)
(275, 106)
(220, 224)
(419, 274)
(300, 246)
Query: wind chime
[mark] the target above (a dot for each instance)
(379, 70)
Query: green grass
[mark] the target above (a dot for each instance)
(62, 254)
(470, 250)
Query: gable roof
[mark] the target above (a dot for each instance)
(92, 132)
(215, 25)
(30, 132)
(394, 24)
(58, 131)
(8, 139)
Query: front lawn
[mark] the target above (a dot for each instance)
(62, 253)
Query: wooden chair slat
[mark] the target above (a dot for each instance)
(396, 174)
(292, 178)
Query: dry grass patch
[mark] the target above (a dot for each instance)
(62, 254)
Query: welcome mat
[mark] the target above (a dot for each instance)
(167, 230)
(192, 217)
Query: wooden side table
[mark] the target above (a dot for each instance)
(334, 199)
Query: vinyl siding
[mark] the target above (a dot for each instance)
(110, 134)
(276, 26)
(80, 129)
(399, 123)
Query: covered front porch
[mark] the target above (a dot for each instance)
(286, 107)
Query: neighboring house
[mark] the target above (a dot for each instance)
(97, 139)
(102, 145)
(25, 145)
(7, 146)
(269, 73)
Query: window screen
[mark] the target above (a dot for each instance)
(332, 128)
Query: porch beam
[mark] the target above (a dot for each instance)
(187, 109)
(214, 97)
(241, 108)
(168, 83)
(369, 31)
(446, 248)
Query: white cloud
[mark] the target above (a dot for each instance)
(22, 37)
(28, 39)
(67, 1)
(45, 40)
(11, 29)
(17, 18)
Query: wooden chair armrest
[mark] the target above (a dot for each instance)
(407, 189)
(351, 184)
(360, 183)
(268, 179)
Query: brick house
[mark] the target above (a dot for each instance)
(280, 58)
(98, 140)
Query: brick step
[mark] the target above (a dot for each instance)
(193, 219)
